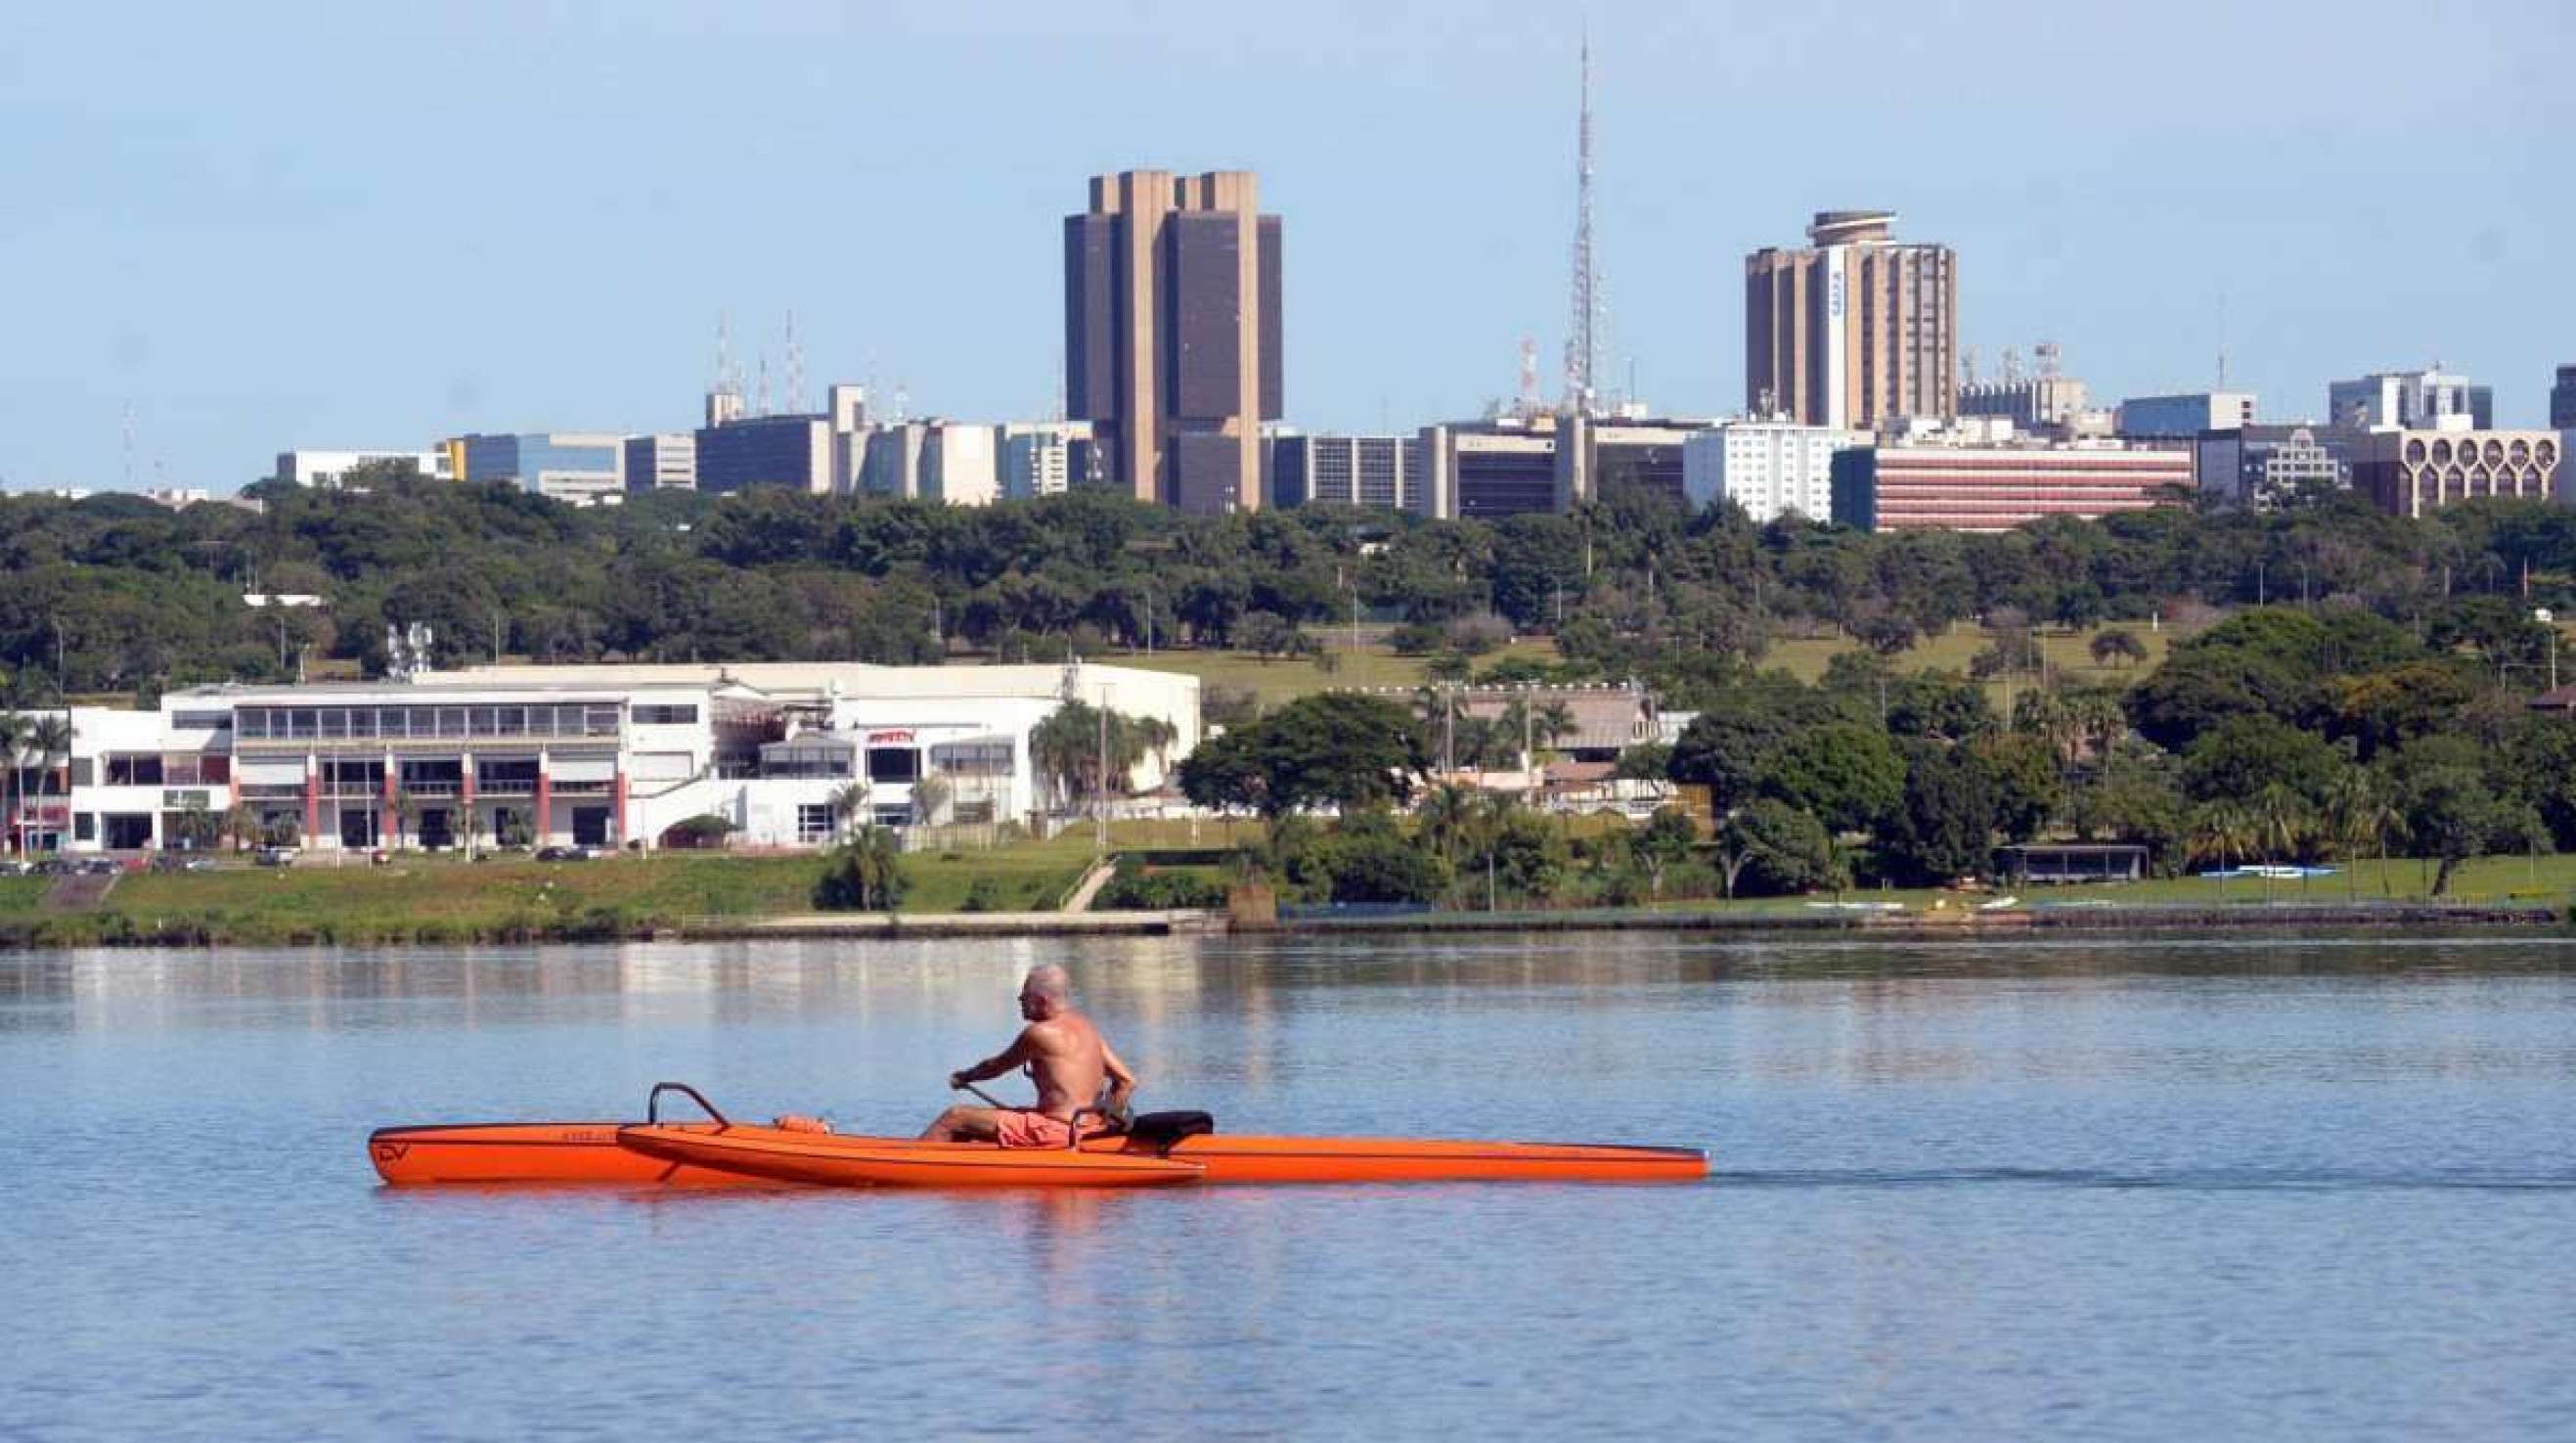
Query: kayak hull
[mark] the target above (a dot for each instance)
(578, 1153)
(827, 1160)
(527, 1153)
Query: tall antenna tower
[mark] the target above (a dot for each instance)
(760, 390)
(1583, 331)
(2222, 341)
(1530, 402)
(795, 368)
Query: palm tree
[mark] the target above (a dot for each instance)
(849, 802)
(2281, 818)
(13, 740)
(1446, 817)
(2365, 817)
(2221, 831)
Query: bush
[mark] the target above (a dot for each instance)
(1134, 889)
(985, 894)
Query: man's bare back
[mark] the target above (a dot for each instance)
(1066, 1057)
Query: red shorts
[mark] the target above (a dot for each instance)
(1021, 1127)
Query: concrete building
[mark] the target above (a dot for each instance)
(2411, 472)
(961, 464)
(600, 756)
(2266, 466)
(2184, 417)
(2562, 400)
(890, 463)
(1996, 488)
(1770, 468)
(2425, 400)
(2033, 404)
(1171, 333)
(1042, 458)
(667, 462)
(579, 467)
(325, 468)
(1854, 330)
(796, 452)
(1487, 470)
(1382, 473)
(1601, 454)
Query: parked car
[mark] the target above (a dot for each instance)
(275, 856)
(178, 862)
(53, 867)
(12, 867)
(567, 854)
(101, 866)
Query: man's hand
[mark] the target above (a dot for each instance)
(957, 1080)
(798, 1122)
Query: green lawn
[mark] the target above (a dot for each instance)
(1279, 680)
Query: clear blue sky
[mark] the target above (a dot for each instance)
(266, 226)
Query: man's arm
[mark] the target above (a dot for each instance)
(1122, 1082)
(1022, 1048)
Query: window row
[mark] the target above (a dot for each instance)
(591, 719)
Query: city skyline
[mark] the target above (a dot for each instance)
(251, 235)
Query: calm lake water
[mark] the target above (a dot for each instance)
(2117, 1189)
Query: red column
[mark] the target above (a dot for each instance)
(312, 804)
(389, 825)
(545, 804)
(621, 806)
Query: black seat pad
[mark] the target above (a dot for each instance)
(1162, 1129)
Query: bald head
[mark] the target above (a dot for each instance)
(1047, 991)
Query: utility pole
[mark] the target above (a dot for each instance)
(1100, 808)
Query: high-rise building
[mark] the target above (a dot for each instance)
(2184, 416)
(1041, 458)
(2426, 400)
(1171, 333)
(2562, 400)
(1770, 468)
(667, 462)
(581, 467)
(794, 452)
(1854, 329)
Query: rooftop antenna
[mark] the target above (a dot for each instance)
(795, 368)
(902, 403)
(1583, 337)
(2222, 340)
(1530, 402)
(760, 398)
(2044, 355)
(1968, 365)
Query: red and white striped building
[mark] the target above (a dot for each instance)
(1996, 488)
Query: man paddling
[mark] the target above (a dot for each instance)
(1066, 1055)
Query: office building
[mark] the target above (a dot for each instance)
(960, 464)
(2410, 472)
(1171, 333)
(326, 468)
(1997, 488)
(2034, 404)
(578, 467)
(2268, 466)
(1042, 458)
(890, 459)
(607, 756)
(1771, 469)
(1853, 331)
(2562, 400)
(1382, 473)
(2184, 417)
(796, 452)
(2428, 400)
(1485, 471)
(667, 462)
(1598, 455)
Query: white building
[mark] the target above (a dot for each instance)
(2428, 400)
(662, 462)
(2185, 416)
(325, 468)
(1038, 456)
(611, 756)
(1770, 468)
(960, 464)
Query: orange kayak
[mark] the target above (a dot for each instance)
(529, 1152)
(827, 1160)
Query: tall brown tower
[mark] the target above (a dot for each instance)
(1854, 330)
(1171, 333)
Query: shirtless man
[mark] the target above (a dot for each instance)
(1065, 1053)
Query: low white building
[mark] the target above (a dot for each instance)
(1770, 468)
(609, 756)
(326, 468)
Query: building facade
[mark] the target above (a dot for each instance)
(2413, 472)
(2267, 466)
(1971, 488)
(2562, 400)
(2036, 403)
(1042, 458)
(579, 467)
(1380, 473)
(1772, 469)
(594, 756)
(1487, 471)
(326, 468)
(794, 452)
(2409, 400)
(1172, 291)
(961, 464)
(662, 462)
(2184, 417)
(1853, 330)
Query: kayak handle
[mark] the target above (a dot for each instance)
(653, 1104)
(1074, 1128)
